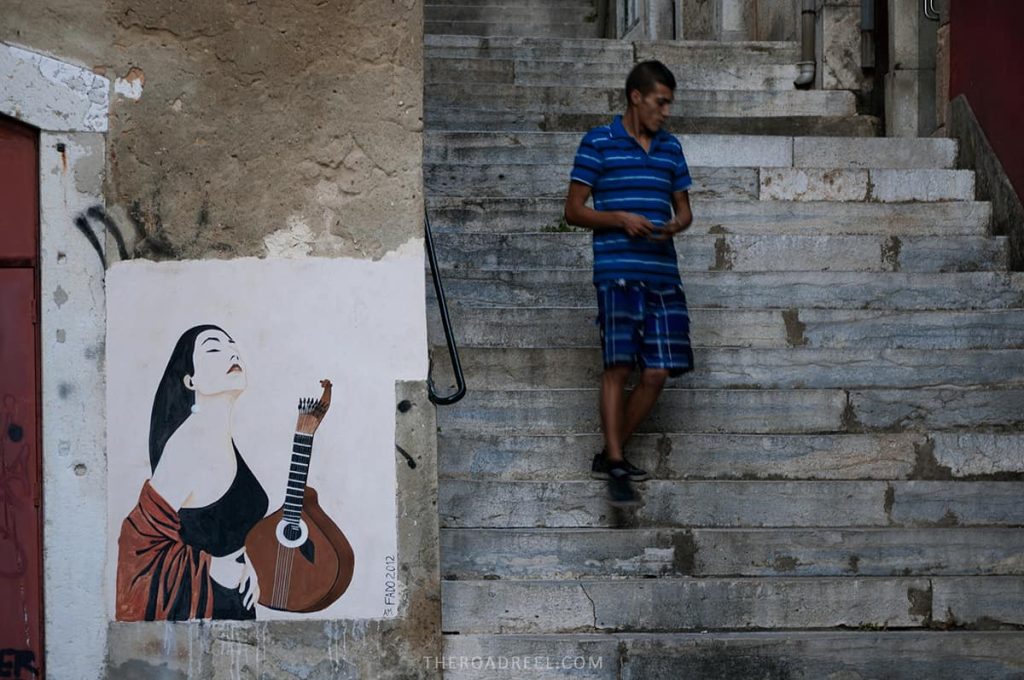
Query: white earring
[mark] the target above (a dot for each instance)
(195, 408)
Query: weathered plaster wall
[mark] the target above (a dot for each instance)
(234, 120)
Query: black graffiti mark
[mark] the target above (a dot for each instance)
(14, 661)
(83, 226)
(405, 454)
(98, 213)
(144, 241)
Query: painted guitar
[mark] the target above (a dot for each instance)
(302, 560)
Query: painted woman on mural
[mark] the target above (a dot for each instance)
(182, 548)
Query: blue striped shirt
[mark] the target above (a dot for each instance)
(622, 176)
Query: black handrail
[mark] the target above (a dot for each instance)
(442, 304)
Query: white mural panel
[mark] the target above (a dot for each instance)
(235, 389)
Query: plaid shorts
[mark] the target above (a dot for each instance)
(645, 324)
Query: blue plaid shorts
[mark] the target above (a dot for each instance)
(645, 324)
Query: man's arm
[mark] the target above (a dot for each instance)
(579, 214)
(682, 219)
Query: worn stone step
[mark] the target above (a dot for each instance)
(714, 51)
(678, 410)
(756, 290)
(728, 183)
(734, 184)
(511, 27)
(547, 457)
(502, 215)
(740, 252)
(539, 48)
(531, 48)
(511, 13)
(901, 455)
(452, 116)
(567, 554)
(695, 76)
(718, 367)
(575, 100)
(764, 655)
(884, 185)
(738, 504)
(810, 328)
(643, 605)
(715, 151)
(536, 4)
(756, 411)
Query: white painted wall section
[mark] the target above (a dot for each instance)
(52, 94)
(359, 323)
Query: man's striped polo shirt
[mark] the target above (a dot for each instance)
(622, 176)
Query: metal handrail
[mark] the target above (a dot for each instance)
(929, 10)
(442, 304)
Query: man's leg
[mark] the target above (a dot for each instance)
(641, 400)
(613, 409)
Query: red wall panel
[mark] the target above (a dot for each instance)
(21, 618)
(18, 181)
(987, 65)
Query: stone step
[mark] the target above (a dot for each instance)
(974, 456)
(520, 99)
(725, 121)
(763, 329)
(699, 76)
(755, 290)
(731, 184)
(736, 504)
(728, 184)
(536, 4)
(511, 13)
(530, 48)
(740, 252)
(482, 214)
(742, 411)
(718, 368)
(721, 52)
(765, 655)
(652, 605)
(592, 51)
(510, 27)
(567, 554)
(712, 151)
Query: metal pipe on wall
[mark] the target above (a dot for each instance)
(807, 60)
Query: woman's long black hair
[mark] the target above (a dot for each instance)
(173, 401)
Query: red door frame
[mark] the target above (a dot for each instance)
(22, 648)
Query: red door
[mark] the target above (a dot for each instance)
(21, 623)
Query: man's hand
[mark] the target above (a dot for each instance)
(636, 226)
(668, 230)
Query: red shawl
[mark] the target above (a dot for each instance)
(158, 576)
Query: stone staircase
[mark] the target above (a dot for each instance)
(836, 490)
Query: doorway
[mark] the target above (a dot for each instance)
(21, 624)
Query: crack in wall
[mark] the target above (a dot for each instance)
(593, 606)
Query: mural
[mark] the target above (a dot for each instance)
(223, 520)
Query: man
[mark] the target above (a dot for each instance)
(639, 179)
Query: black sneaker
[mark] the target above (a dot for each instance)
(620, 491)
(599, 469)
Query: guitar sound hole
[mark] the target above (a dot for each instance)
(292, 532)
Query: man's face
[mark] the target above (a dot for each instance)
(653, 108)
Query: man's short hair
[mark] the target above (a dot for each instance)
(646, 75)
